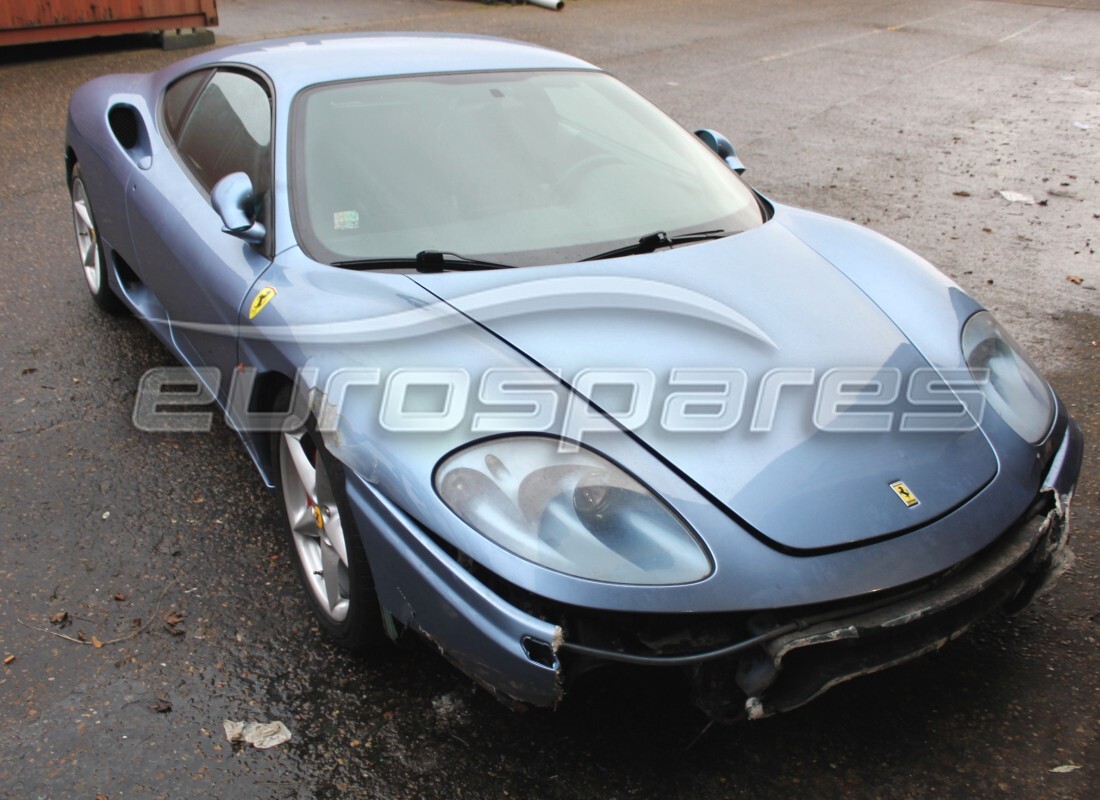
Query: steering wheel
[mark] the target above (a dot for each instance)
(576, 172)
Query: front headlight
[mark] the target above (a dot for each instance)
(1011, 383)
(574, 512)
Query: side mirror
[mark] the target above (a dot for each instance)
(235, 202)
(721, 145)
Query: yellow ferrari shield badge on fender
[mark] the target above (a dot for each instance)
(260, 300)
(905, 493)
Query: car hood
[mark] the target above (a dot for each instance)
(650, 339)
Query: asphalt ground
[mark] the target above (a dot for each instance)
(910, 117)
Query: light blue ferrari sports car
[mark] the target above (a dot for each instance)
(534, 374)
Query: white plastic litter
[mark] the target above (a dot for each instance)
(260, 735)
(1017, 197)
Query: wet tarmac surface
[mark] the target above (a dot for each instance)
(147, 593)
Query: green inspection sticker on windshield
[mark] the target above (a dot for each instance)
(345, 221)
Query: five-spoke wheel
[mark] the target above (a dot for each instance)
(89, 248)
(331, 562)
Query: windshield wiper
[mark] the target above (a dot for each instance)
(425, 261)
(439, 260)
(652, 241)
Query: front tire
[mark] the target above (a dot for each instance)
(327, 549)
(89, 248)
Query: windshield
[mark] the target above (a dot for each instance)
(522, 167)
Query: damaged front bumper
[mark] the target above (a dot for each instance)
(526, 650)
(796, 667)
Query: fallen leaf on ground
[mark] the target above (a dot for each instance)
(1077, 279)
(1066, 768)
(60, 618)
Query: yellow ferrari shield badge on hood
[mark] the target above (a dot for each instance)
(905, 493)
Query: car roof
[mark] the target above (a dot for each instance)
(306, 60)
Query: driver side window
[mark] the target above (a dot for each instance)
(226, 129)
